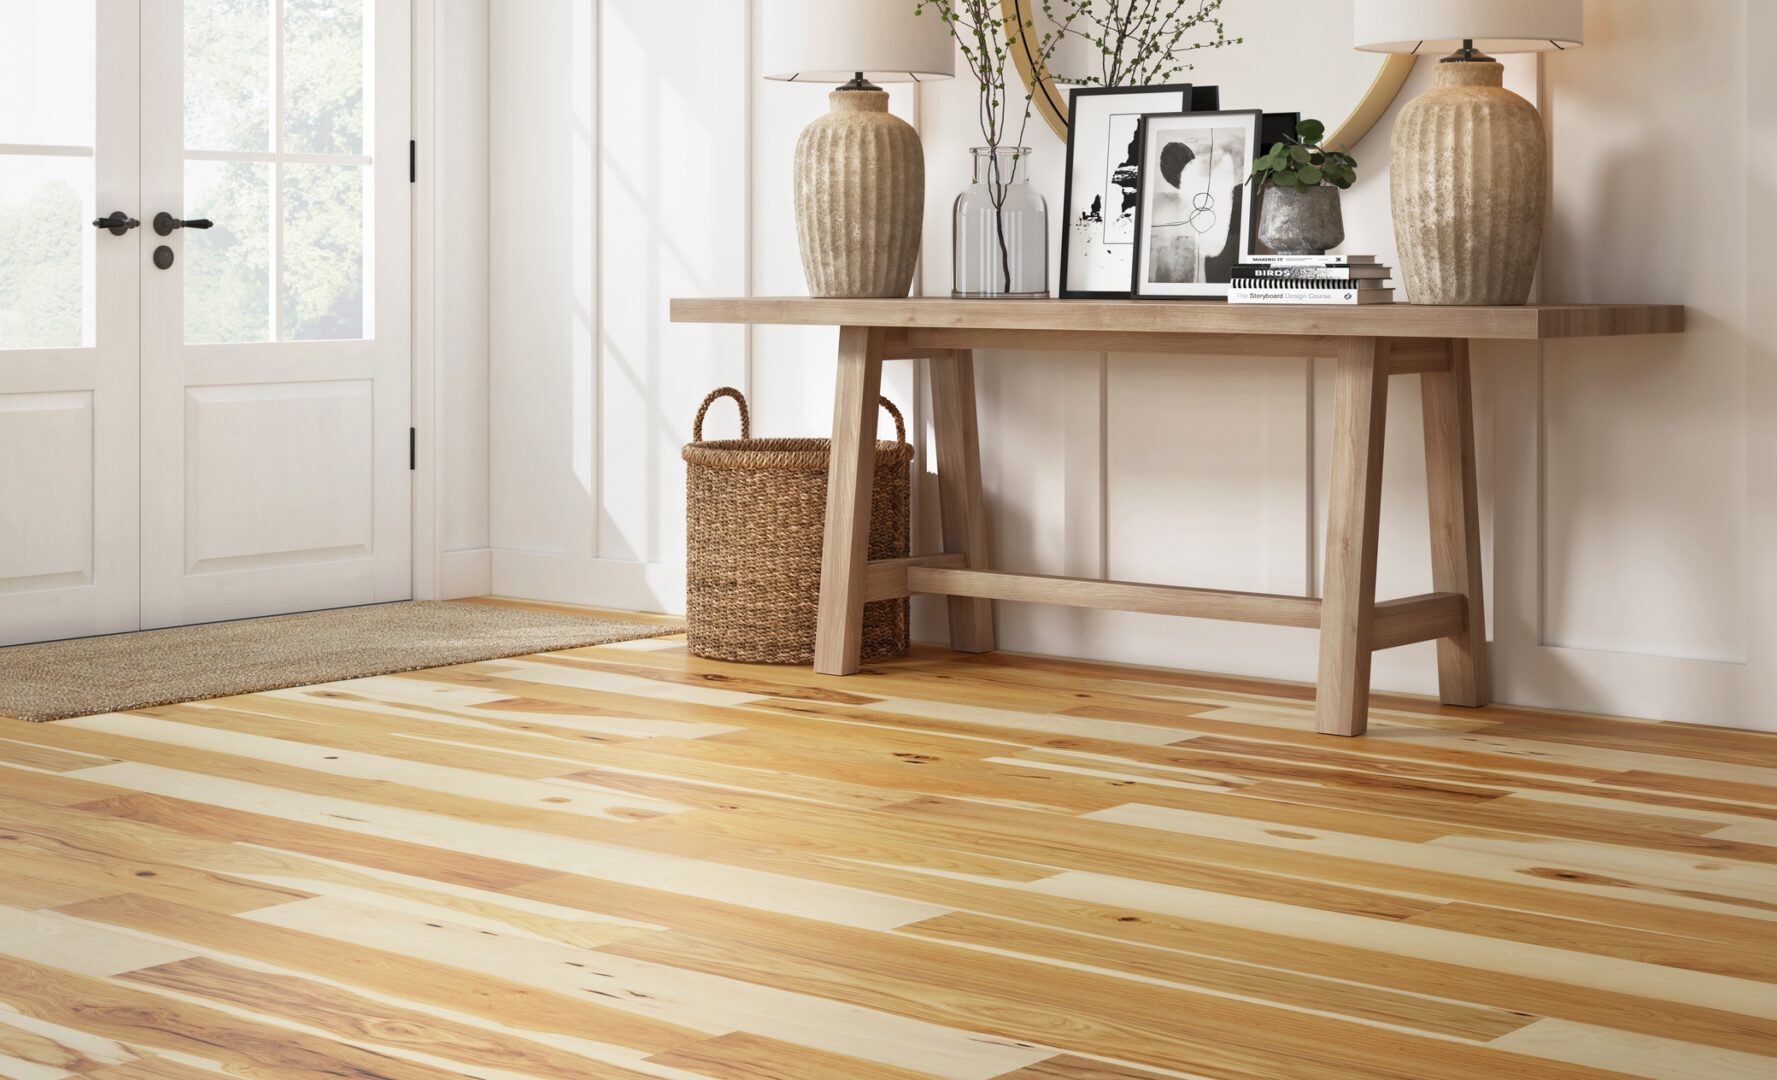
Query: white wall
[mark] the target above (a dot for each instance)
(451, 283)
(1627, 484)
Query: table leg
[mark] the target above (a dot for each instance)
(1456, 525)
(1354, 503)
(959, 492)
(851, 470)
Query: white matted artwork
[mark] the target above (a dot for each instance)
(1099, 203)
(1191, 225)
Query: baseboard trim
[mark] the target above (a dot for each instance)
(604, 583)
(466, 573)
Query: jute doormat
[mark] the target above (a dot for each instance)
(60, 679)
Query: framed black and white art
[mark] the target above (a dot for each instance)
(1191, 224)
(1098, 204)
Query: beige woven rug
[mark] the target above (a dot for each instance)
(60, 679)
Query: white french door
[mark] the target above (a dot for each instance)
(275, 359)
(218, 427)
(69, 325)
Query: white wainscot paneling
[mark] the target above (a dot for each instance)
(627, 121)
(278, 474)
(673, 173)
(1207, 471)
(46, 486)
(542, 320)
(1644, 440)
(461, 177)
(1636, 505)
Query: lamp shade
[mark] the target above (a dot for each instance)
(1495, 26)
(829, 41)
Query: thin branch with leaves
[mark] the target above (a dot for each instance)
(986, 38)
(1140, 42)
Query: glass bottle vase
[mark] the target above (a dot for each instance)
(1001, 229)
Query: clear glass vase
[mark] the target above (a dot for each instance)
(1001, 232)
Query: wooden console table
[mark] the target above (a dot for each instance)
(1371, 344)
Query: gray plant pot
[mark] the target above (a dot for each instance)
(1301, 221)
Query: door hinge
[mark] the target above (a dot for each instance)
(413, 449)
(413, 162)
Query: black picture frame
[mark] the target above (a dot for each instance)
(1171, 97)
(1273, 126)
(1242, 228)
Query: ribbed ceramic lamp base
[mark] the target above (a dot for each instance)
(1467, 177)
(860, 197)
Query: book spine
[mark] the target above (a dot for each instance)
(1310, 272)
(1244, 281)
(1281, 296)
(1314, 260)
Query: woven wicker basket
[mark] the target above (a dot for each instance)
(755, 511)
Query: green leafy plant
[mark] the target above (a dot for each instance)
(1139, 42)
(1301, 161)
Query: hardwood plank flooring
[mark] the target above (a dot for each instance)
(623, 861)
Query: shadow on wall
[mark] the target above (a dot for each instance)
(672, 222)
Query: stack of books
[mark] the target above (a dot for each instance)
(1310, 279)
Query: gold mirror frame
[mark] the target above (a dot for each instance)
(1051, 102)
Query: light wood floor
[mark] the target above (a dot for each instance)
(624, 862)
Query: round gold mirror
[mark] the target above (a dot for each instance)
(1296, 57)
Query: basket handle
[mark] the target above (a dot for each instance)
(746, 421)
(900, 424)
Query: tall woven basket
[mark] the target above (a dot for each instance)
(755, 511)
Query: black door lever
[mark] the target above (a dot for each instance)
(165, 223)
(118, 222)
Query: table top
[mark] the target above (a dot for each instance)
(1527, 322)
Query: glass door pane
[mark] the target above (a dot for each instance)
(274, 145)
(228, 75)
(47, 72)
(228, 266)
(46, 249)
(47, 128)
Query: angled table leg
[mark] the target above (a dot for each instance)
(959, 491)
(1354, 504)
(1456, 525)
(851, 471)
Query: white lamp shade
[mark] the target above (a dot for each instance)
(828, 41)
(1441, 26)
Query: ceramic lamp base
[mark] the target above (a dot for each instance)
(1467, 177)
(860, 198)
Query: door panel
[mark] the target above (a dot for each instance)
(235, 439)
(68, 319)
(48, 536)
(275, 356)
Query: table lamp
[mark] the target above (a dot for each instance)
(860, 173)
(1469, 168)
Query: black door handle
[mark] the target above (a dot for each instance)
(118, 222)
(165, 223)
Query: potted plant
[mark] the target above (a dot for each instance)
(1297, 183)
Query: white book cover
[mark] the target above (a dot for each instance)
(1313, 260)
(1338, 297)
